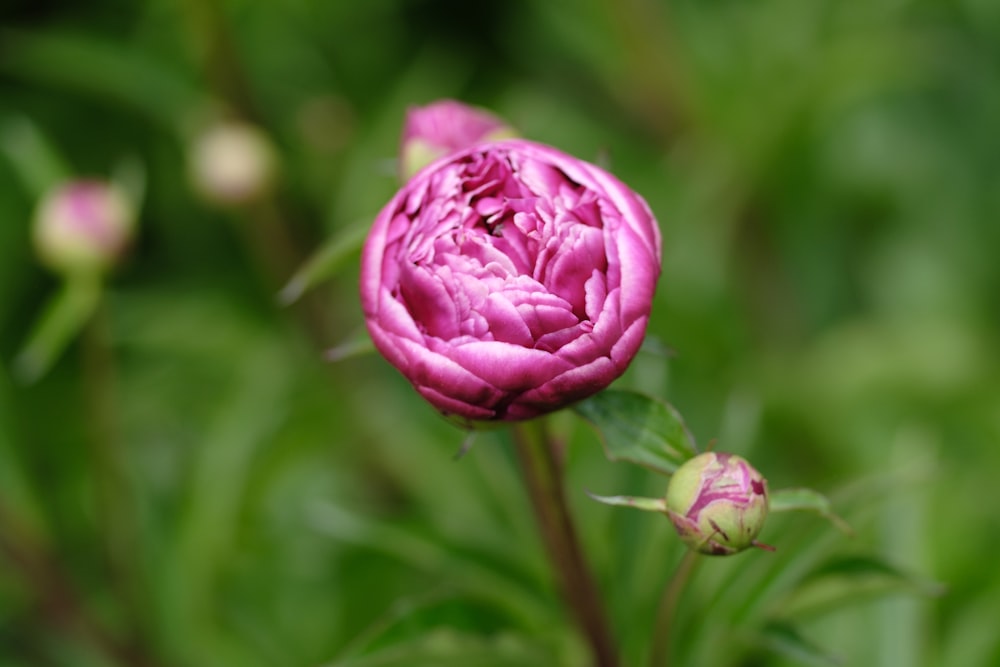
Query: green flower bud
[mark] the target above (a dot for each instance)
(83, 226)
(233, 163)
(717, 503)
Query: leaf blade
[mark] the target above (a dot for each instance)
(639, 429)
(785, 639)
(807, 500)
(639, 503)
(325, 262)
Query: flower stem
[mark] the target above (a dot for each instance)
(541, 466)
(60, 603)
(115, 498)
(660, 654)
(267, 228)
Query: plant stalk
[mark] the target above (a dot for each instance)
(541, 465)
(266, 225)
(666, 612)
(60, 603)
(115, 498)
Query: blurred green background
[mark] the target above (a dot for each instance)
(194, 484)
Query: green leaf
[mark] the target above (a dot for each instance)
(849, 579)
(64, 317)
(244, 416)
(807, 500)
(401, 609)
(438, 558)
(108, 69)
(639, 429)
(36, 161)
(639, 503)
(357, 345)
(875, 566)
(785, 639)
(325, 261)
(445, 647)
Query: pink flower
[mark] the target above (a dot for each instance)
(443, 127)
(509, 280)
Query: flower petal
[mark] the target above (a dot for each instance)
(508, 367)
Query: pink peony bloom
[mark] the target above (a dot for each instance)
(509, 280)
(443, 127)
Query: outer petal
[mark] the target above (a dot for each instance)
(429, 369)
(508, 367)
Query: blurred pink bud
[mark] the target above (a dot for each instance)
(509, 280)
(443, 127)
(83, 226)
(233, 163)
(718, 503)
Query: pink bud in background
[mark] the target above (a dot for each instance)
(83, 226)
(233, 163)
(509, 280)
(718, 503)
(443, 127)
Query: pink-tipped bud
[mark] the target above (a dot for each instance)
(718, 503)
(443, 127)
(233, 163)
(83, 226)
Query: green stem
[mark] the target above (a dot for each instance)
(266, 225)
(60, 603)
(646, 40)
(114, 497)
(215, 45)
(267, 233)
(63, 318)
(667, 611)
(541, 465)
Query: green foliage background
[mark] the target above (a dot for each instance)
(193, 484)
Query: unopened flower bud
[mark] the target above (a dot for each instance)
(233, 163)
(83, 226)
(444, 127)
(718, 503)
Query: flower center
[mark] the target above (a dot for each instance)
(499, 247)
